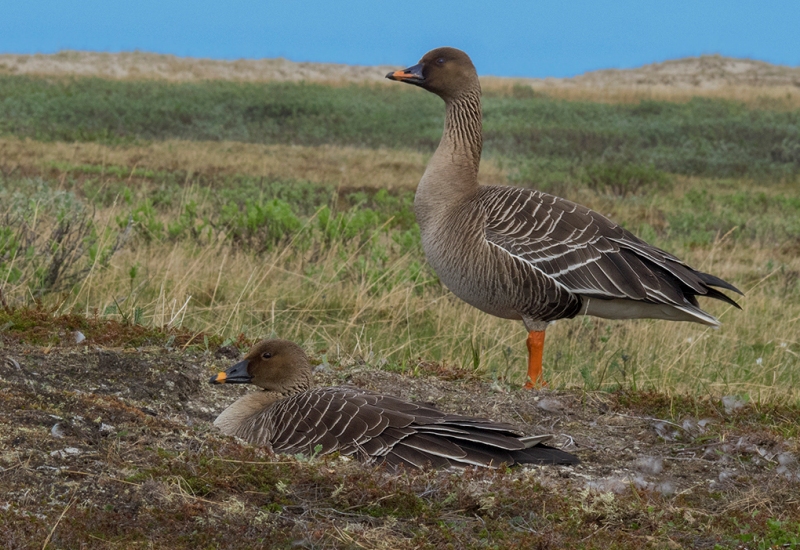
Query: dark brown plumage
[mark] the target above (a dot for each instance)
(523, 254)
(290, 417)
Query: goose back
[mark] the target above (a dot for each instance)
(377, 428)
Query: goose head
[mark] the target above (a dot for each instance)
(278, 366)
(447, 72)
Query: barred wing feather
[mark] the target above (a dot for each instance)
(588, 255)
(376, 427)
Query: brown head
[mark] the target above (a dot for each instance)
(274, 365)
(447, 72)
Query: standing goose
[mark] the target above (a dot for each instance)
(291, 417)
(523, 254)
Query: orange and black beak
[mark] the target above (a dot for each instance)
(412, 75)
(237, 374)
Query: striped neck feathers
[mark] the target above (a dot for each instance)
(452, 173)
(462, 135)
(234, 419)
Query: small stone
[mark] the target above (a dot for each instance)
(652, 465)
(550, 405)
(666, 488)
(641, 483)
(62, 453)
(665, 431)
(732, 403)
(726, 475)
(322, 368)
(787, 459)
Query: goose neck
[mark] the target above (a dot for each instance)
(234, 419)
(463, 128)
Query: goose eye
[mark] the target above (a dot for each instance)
(440, 61)
(266, 355)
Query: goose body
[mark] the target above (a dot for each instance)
(291, 417)
(523, 254)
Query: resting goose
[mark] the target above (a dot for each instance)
(524, 254)
(291, 417)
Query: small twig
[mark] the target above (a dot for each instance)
(3, 302)
(53, 530)
(264, 463)
(651, 419)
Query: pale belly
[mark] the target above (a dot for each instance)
(472, 281)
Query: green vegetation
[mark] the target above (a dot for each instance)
(234, 255)
(334, 264)
(702, 137)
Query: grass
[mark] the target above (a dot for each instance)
(342, 269)
(700, 137)
(310, 234)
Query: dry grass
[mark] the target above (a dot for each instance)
(344, 306)
(345, 167)
(145, 66)
(335, 295)
(753, 82)
(771, 97)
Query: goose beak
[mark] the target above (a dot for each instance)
(412, 75)
(237, 374)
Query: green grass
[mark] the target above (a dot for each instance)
(232, 255)
(539, 135)
(325, 264)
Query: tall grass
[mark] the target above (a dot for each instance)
(343, 272)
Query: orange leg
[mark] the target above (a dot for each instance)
(535, 350)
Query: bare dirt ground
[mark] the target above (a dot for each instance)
(707, 71)
(104, 445)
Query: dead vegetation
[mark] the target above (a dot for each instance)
(713, 76)
(111, 443)
(344, 167)
(144, 65)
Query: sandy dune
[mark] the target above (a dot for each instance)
(705, 72)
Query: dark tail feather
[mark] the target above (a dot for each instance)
(714, 293)
(542, 454)
(538, 454)
(711, 280)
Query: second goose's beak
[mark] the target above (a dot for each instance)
(237, 374)
(412, 75)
